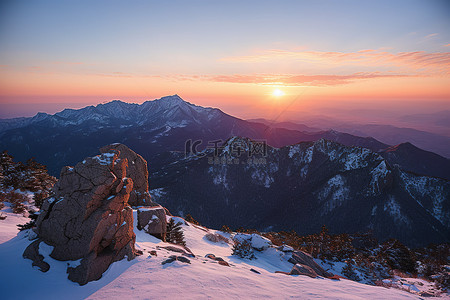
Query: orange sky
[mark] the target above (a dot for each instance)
(230, 56)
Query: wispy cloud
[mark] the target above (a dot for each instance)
(117, 75)
(438, 62)
(290, 79)
(266, 79)
(431, 35)
(68, 63)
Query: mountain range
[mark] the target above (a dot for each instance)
(159, 130)
(437, 142)
(308, 178)
(305, 186)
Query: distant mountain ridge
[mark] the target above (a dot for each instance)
(413, 159)
(387, 134)
(153, 128)
(405, 155)
(303, 186)
(158, 128)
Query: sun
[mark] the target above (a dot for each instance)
(278, 93)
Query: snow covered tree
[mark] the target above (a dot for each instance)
(175, 233)
(31, 176)
(349, 272)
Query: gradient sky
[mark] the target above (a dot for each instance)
(387, 57)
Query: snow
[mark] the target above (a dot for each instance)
(356, 160)
(379, 174)
(258, 242)
(145, 277)
(105, 158)
(157, 194)
(416, 285)
(394, 210)
(334, 193)
(300, 156)
(142, 209)
(262, 176)
(425, 187)
(219, 173)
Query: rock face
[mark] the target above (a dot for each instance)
(299, 269)
(304, 264)
(89, 218)
(153, 221)
(137, 171)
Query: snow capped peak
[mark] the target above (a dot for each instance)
(173, 98)
(40, 116)
(170, 110)
(170, 101)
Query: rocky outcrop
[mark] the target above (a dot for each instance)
(137, 171)
(299, 269)
(89, 218)
(153, 221)
(256, 241)
(304, 264)
(173, 258)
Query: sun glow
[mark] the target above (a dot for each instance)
(278, 93)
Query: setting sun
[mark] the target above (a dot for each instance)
(278, 93)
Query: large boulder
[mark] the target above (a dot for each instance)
(137, 171)
(88, 218)
(153, 221)
(303, 262)
(257, 242)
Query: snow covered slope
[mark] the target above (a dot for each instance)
(146, 278)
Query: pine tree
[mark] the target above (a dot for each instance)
(175, 233)
(226, 229)
(191, 219)
(8, 170)
(31, 176)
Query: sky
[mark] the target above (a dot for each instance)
(354, 59)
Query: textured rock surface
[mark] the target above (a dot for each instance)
(300, 269)
(302, 259)
(88, 217)
(153, 221)
(137, 171)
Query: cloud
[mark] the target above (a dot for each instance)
(68, 63)
(290, 79)
(435, 62)
(431, 35)
(117, 75)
